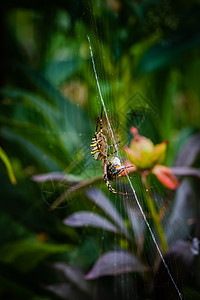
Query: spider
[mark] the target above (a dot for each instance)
(99, 149)
(99, 146)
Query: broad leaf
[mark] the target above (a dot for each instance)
(136, 219)
(162, 54)
(189, 152)
(35, 144)
(103, 202)
(115, 262)
(185, 171)
(180, 260)
(57, 176)
(59, 71)
(16, 229)
(32, 151)
(17, 290)
(66, 291)
(85, 218)
(183, 210)
(27, 253)
(75, 275)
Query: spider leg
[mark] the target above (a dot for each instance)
(99, 149)
(101, 120)
(107, 181)
(113, 145)
(111, 153)
(122, 170)
(97, 125)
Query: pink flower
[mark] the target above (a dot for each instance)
(165, 176)
(147, 157)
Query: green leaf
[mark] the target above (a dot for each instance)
(17, 290)
(40, 137)
(39, 156)
(59, 71)
(167, 51)
(8, 165)
(16, 230)
(67, 109)
(66, 121)
(25, 254)
(191, 293)
(39, 106)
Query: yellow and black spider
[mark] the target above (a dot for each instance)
(99, 149)
(99, 146)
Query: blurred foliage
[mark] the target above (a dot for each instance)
(148, 63)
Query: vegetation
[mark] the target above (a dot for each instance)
(63, 234)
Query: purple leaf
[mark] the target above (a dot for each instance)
(135, 217)
(183, 211)
(74, 275)
(66, 291)
(185, 171)
(185, 250)
(103, 202)
(85, 218)
(75, 286)
(56, 176)
(137, 222)
(115, 262)
(181, 260)
(189, 151)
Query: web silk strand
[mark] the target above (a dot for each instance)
(132, 188)
(100, 94)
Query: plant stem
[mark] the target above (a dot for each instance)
(74, 188)
(155, 217)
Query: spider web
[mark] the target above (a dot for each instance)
(64, 188)
(136, 108)
(130, 183)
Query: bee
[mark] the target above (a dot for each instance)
(114, 168)
(99, 150)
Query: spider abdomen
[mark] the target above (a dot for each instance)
(98, 146)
